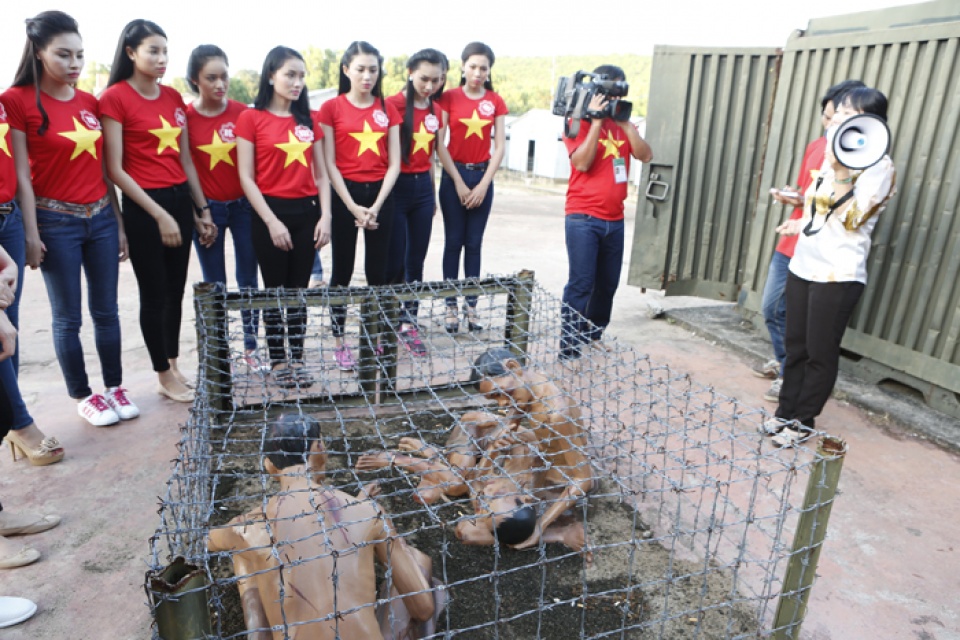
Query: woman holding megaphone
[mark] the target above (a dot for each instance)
(828, 270)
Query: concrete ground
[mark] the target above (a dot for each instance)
(889, 568)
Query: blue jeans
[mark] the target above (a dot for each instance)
(595, 254)
(317, 272)
(463, 228)
(774, 304)
(91, 244)
(234, 215)
(12, 240)
(413, 207)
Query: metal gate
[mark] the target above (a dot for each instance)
(907, 325)
(707, 124)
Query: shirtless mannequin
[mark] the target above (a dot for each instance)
(501, 467)
(326, 541)
(555, 421)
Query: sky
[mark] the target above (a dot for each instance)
(512, 28)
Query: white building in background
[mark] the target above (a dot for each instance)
(535, 146)
(319, 96)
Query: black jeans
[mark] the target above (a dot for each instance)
(817, 316)
(161, 271)
(286, 269)
(343, 231)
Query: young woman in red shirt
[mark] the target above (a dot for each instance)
(361, 149)
(281, 172)
(414, 200)
(474, 115)
(17, 249)
(148, 158)
(58, 147)
(212, 121)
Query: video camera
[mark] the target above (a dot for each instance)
(574, 93)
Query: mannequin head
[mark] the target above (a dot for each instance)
(498, 376)
(292, 440)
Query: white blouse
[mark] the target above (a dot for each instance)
(838, 251)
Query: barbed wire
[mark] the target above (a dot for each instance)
(685, 531)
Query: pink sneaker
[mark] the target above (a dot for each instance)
(117, 398)
(95, 410)
(413, 343)
(344, 357)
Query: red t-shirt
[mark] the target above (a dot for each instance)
(213, 145)
(809, 169)
(283, 152)
(66, 162)
(361, 137)
(426, 123)
(595, 191)
(151, 133)
(471, 124)
(8, 171)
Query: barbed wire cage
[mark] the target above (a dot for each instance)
(696, 527)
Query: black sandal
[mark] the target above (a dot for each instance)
(284, 378)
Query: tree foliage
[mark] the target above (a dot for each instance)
(524, 83)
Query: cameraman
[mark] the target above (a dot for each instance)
(600, 163)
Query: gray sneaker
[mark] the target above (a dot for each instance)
(773, 393)
(769, 369)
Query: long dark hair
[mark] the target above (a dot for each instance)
(198, 58)
(356, 48)
(132, 35)
(41, 29)
(477, 49)
(430, 56)
(300, 110)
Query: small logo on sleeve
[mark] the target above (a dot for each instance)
(303, 133)
(90, 121)
(381, 118)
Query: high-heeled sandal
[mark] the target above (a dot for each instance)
(49, 451)
(451, 323)
(470, 317)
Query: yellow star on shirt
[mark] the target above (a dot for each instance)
(612, 146)
(3, 139)
(169, 136)
(218, 150)
(294, 150)
(85, 139)
(422, 140)
(475, 125)
(368, 139)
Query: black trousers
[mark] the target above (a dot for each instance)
(161, 271)
(817, 317)
(286, 269)
(343, 231)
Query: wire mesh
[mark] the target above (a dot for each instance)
(686, 530)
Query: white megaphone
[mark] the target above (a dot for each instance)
(859, 142)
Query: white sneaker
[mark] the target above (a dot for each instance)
(769, 369)
(773, 426)
(793, 435)
(117, 398)
(97, 412)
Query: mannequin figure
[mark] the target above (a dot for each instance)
(554, 419)
(326, 542)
